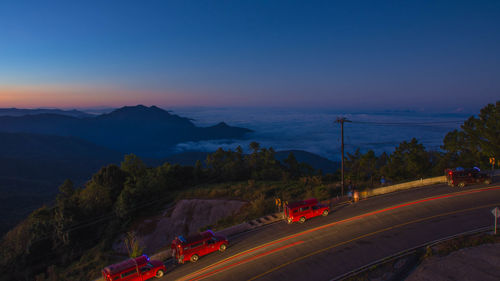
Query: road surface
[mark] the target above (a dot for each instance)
(351, 236)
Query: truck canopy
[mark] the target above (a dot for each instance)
(311, 201)
(124, 265)
(193, 238)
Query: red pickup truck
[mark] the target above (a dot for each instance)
(136, 269)
(461, 177)
(305, 209)
(193, 247)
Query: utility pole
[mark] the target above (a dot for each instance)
(341, 120)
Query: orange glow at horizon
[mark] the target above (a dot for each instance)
(77, 96)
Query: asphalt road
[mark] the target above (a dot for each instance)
(351, 236)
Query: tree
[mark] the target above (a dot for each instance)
(369, 163)
(477, 141)
(133, 245)
(410, 160)
(352, 166)
(133, 165)
(292, 166)
(113, 178)
(198, 171)
(125, 202)
(66, 189)
(267, 167)
(254, 146)
(65, 212)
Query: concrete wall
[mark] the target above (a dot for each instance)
(402, 186)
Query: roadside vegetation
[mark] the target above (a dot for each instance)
(450, 246)
(71, 239)
(472, 146)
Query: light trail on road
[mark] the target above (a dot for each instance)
(200, 273)
(247, 260)
(370, 234)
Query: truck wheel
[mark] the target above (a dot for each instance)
(194, 258)
(302, 219)
(487, 181)
(159, 274)
(289, 221)
(222, 248)
(461, 185)
(325, 213)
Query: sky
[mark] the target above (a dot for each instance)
(430, 55)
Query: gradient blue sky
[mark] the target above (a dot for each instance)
(439, 55)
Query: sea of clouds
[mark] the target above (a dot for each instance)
(316, 131)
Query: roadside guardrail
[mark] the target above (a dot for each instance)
(406, 252)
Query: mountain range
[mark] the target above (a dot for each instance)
(41, 148)
(22, 112)
(145, 131)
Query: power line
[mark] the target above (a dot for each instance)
(409, 123)
(92, 221)
(342, 120)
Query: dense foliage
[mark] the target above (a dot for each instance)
(477, 141)
(83, 222)
(409, 161)
(473, 145)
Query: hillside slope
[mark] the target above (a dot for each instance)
(33, 166)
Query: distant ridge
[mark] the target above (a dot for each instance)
(22, 112)
(146, 131)
(143, 113)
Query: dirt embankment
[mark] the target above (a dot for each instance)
(185, 218)
(478, 263)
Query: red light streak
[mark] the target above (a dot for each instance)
(247, 260)
(323, 227)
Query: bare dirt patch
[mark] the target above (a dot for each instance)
(185, 218)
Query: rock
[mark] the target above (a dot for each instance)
(186, 218)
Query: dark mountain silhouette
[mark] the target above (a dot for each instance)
(40, 149)
(146, 131)
(33, 166)
(22, 112)
(34, 146)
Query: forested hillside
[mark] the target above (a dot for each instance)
(32, 166)
(40, 148)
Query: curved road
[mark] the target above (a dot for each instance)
(351, 236)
